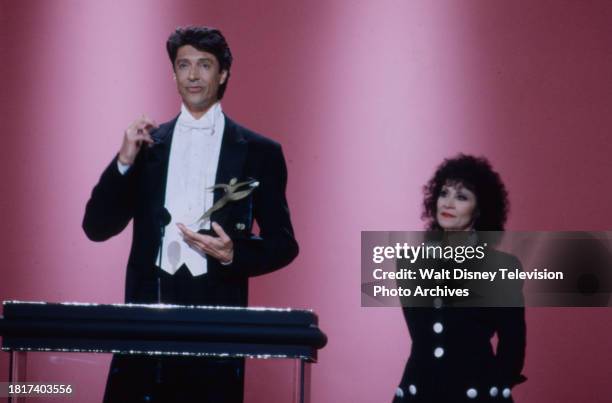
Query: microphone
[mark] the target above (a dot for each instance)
(164, 218)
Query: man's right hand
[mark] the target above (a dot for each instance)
(135, 135)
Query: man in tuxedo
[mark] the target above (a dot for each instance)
(165, 177)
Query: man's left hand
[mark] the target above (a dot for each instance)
(220, 247)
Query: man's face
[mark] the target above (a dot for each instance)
(197, 78)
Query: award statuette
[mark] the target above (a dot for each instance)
(232, 194)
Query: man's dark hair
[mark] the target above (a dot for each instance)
(206, 40)
(477, 175)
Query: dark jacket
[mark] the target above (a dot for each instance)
(140, 195)
(452, 358)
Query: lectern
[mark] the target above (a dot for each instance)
(159, 329)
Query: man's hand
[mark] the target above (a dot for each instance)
(221, 247)
(135, 135)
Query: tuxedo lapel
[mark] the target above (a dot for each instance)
(232, 156)
(231, 164)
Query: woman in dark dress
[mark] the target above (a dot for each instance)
(452, 358)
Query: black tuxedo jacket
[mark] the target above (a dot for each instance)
(140, 195)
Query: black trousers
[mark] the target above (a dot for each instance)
(152, 379)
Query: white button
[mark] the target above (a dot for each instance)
(437, 327)
(506, 392)
(471, 393)
(412, 389)
(399, 392)
(493, 391)
(437, 302)
(438, 352)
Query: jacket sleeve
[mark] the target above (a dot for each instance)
(511, 334)
(111, 204)
(276, 246)
(511, 347)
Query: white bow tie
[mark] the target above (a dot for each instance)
(197, 127)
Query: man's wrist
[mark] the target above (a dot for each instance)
(122, 159)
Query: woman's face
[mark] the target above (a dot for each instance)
(456, 207)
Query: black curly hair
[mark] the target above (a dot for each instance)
(477, 175)
(205, 39)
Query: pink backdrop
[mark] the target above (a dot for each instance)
(366, 98)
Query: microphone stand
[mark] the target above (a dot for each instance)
(164, 219)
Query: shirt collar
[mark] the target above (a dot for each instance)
(209, 119)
